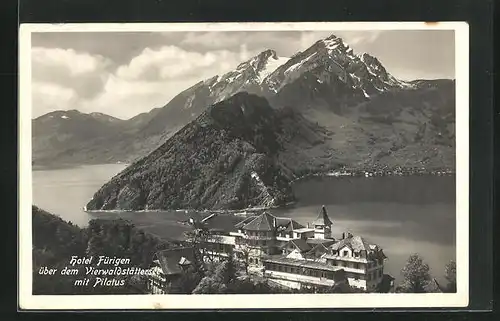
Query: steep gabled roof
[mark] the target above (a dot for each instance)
(322, 218)
(245, 221)
(171, 260)
(266, 221)
(356, 243)
(325, 242)
(317, 250)
(299, 244)
(263, 222)
(287, 224)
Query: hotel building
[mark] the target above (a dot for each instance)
(294, 255)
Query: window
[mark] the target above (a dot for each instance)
(379, 273)
(369, 277)
(345, 253)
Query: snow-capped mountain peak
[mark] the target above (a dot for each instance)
(248, 75)
(260, 65)
(331, 57)
(333, 42)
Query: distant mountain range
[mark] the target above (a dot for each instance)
(234, 155)
(367, 118)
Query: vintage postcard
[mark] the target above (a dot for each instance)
(243, 165)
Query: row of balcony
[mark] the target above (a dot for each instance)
(299, 278)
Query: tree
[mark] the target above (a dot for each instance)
(245, 254)
(228, 270)
(218, 281)
(416, 276)
(451, 277)
(209, 285)
(187, 282)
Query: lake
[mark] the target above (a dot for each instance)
(402, 214)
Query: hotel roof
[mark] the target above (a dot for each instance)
(322, 218)
(214, 222)
(287, 224)
(302, 263)
(356, 243)
(268, 222)
(325, 242)
(304, 230)
(263, 222)
(299, 244)
(171, 260)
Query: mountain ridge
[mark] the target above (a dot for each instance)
(227, 158)
(327, 83)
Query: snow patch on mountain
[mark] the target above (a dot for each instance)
(298, 64)
(271, 65)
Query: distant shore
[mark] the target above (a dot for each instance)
(377, 173)
(44, 167)
(187, 211)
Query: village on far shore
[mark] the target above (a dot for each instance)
(279, 250)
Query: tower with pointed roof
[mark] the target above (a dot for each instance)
(322, 225)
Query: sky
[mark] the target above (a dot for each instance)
(125, 73)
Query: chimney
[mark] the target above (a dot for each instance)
(275, 224)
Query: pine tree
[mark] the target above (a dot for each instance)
(451, 276)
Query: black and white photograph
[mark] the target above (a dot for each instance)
(325, 164)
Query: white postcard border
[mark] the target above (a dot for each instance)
(29, 301)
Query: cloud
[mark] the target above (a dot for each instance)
(359, 38)
(83, 72)
(73, 62)
(66, 79)
(126, 98)
(155, 76)
(254, 42)
(47, 97)
(124, 74)
(171, 62)
(213, 40)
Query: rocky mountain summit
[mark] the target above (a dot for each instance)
(231, 156)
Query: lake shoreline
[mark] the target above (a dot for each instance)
(371, 173)
(187, 211)
(403, 214)
(54, 167)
